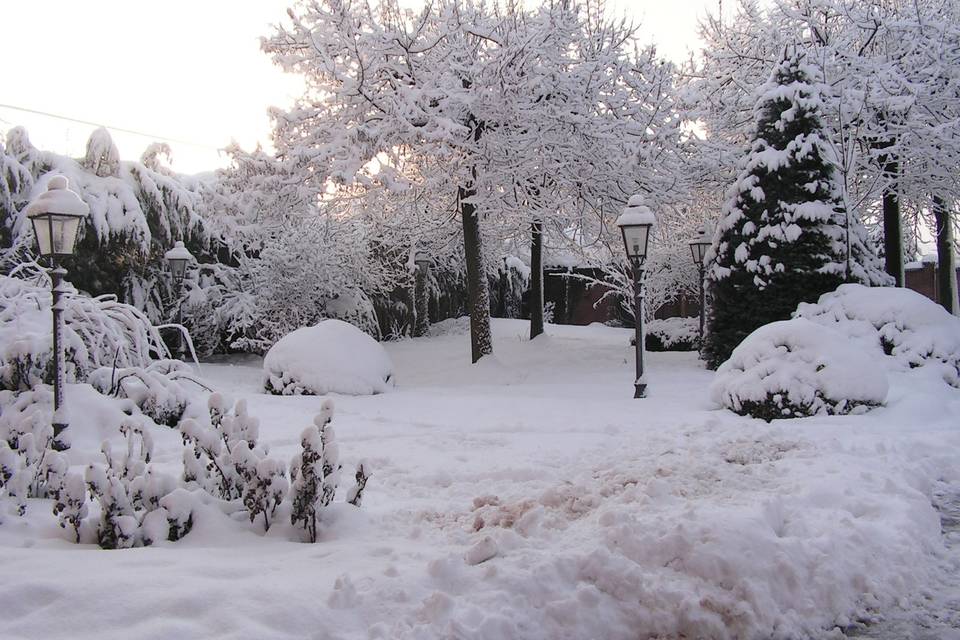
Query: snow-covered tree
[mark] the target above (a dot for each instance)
(137, 211)
(519, 119)
(891, 68)
(784, 237)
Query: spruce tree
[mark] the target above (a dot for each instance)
(784, 236)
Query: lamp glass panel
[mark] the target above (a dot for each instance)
(65, 230)
(635, 239)
(702, 250)
(699, 251)
(41, 229)
(178, 267)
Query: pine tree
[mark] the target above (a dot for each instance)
(785, 236)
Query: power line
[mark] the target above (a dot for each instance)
(97, 124)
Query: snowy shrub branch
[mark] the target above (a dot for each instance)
(98, 332)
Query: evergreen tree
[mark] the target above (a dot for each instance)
(785, 236)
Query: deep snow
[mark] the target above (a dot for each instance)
(530, 496)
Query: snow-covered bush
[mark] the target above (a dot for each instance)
(672, 334)
(97, 332)
(70, 503)
(796, 368)
(177, 507)
(355, 494)
(315, 473)
(161, 389)
(128, 492)
(226, 461)
(912, 329)
(331, 357)
(265, 484)
(29, 465)
(220, 457)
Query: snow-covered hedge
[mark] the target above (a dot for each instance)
(672, 334)
(97, 332)
(330, 357)
(795, 368)
(912, 329)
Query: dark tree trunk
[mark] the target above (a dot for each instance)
(946, 267)
(536, 279)
(477, 291)
(892, 232)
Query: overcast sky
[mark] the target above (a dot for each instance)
(187, 70)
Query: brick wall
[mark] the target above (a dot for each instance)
(922, 278)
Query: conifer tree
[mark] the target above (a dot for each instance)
(785, 235)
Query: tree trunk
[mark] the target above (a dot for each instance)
(946, 267)
(892, 232)
(478, 294)
(536, 279)
(892, 235)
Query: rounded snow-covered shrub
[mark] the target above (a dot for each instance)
(672, 334)
(912, 329)
(330, 357)
(796, 368)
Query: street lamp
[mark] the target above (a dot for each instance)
(698, 248)
(177, 259)
(421, 299)
(56, 215)
(636, 222)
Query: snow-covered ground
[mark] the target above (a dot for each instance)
(606, 517)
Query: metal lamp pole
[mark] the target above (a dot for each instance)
(181, 351)
(56, 215)
(636, 223)
(703, 301)
(640, 384)
(57, 275)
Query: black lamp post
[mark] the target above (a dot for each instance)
(636, 222)
(698, 248)
(421, 299)
(56, 215)
(177, 259)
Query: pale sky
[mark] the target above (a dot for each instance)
(188, 70)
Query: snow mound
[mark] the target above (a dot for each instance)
(797, 368)
(449, 327)
(911, 328)
(330, 357)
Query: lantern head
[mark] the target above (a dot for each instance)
(56, 215)
(636, 223)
